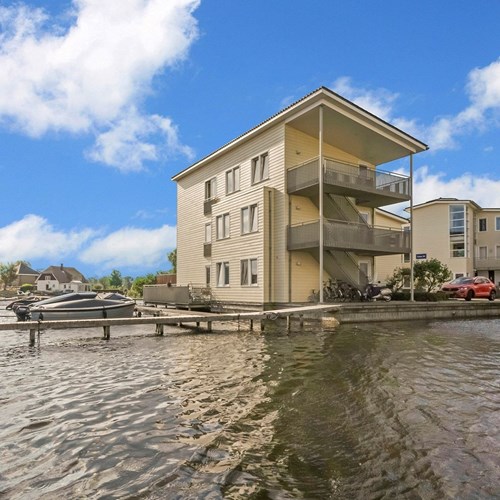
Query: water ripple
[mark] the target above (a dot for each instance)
(391, 411)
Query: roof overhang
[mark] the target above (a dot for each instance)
(345, 126)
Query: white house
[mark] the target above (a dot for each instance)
(62, 279)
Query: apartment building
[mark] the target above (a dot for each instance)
(459, 233)
(271, 215)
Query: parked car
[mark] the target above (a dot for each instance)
(468, 288)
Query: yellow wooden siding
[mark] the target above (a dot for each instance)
(191, 221)
(301, 147)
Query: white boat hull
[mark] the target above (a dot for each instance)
(82, 309)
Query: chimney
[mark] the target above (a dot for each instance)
(62, 267)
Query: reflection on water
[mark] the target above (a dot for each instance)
(386, 411)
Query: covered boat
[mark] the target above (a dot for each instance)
(82, 305)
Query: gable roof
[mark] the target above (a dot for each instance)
(22, 268)
(444, 201)
(64, 274)
(344, 109)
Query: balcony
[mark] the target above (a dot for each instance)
(487, 264)
(349, 236)
(370, 188)
(207, 205)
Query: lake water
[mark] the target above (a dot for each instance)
(399, 410)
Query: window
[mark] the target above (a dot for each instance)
(498, 251)
(457, 230)
(208, 233)
(457, 219)
(211, 189)
(250, 219)
(497, 223)
(406, 257)
(483, 252)
(233, 180)
(249, 272)
(457, 250)
(207, 275)
(482, 224)
(222, 273)
(260, 168)
(222, 226)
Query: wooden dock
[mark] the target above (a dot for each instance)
(36, 327)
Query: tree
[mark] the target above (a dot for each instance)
(127, 282)
(399, 279)
(8, 274)
(172, 257)
(115, 279)
(139, 282)
(430, 274)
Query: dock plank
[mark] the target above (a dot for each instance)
(170, 319)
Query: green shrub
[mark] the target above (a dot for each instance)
(421, 296)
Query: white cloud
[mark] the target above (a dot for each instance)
(131, 247)
(135, 139)
(379, 102)
(92, 75)
(481, 189)
(34, 237)
(483, 92)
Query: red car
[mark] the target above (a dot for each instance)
(468, 288)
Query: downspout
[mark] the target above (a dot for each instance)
(320, 178)
(270, 243)
(412, 290)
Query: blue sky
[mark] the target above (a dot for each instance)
(102, 101)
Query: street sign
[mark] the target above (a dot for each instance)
(421, 256)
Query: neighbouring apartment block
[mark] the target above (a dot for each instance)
(271, 215)
(459, 233)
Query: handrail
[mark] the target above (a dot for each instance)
(349, 164)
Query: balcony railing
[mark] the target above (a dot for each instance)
(207, 205)
(349, 236)
(371, 187)
(487, 264)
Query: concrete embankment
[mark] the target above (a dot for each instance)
(411, 311)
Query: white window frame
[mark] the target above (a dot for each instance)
(223, 226)
(207, 275)
(249, 272)
(250, 219)
(211, 188)
(233, 180)
(455, 253)
(485, 252)
(479, 224)
(222, 276)
(208, 233)
(260, 168)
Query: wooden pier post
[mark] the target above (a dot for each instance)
(251, 325)
(209, 326)
(159, 329)
(301, 317)
(288, 323)
(32, 337)
(107, 332)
